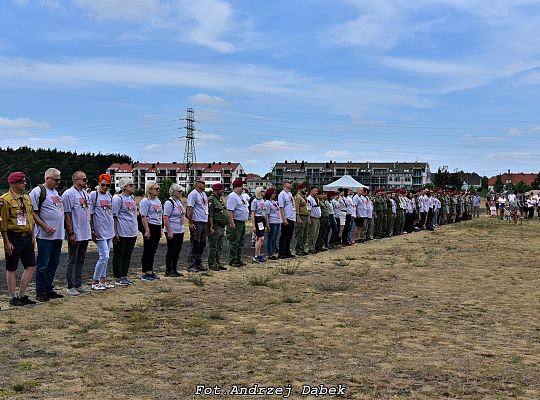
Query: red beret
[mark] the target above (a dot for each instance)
(16, 177)
(217, 186)
(237, 183)
(270, 191)
(105, 177)
(301, 186)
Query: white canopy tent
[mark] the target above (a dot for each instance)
(346, 181)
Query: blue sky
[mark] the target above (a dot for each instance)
(450, 82)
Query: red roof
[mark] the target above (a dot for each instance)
(515, 178)
(121, 167)
(253, 177)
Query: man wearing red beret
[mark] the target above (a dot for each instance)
(302, 220)
(17, 225)
(217, 220)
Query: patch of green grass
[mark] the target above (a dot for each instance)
(162, 289)
(333, 287)
(25, 386)
(27, 366)
(11, 321)
(289, 268)
(196, 326)
(249, 329)
(167, 302)
(260, 280)
(139, 321)
(5, 392)
(214, 316)
(351, 258)
(196, 279)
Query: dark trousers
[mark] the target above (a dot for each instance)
(334, 230)
(174, 246)
(150, 247)
(422, 222)
(409, 222)
(287, 232)
(75, 263)
(323, 233)
(429, 223)
(346, 229)
(236, 239)
(198, 243)
(47, 262)
(122, 251)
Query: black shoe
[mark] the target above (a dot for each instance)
(54, 295)
(272, 258)
(42, 298)
(202, 268)
(214, 267)
(192, 269)
(234, 264)
(291, 255)
(241, 264)
(14, 301)
(25, 301)
(222, 268)
(323, 249)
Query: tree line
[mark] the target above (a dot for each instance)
(34, 162)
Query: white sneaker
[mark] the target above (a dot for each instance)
(98, 286)
(107, 285)
(72, 292)
(81, 289)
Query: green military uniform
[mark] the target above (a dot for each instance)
(323, 229)
(379, 204)
(217, 220)
(400, 216)
(13, 208)
(389, 217)
(301, 231)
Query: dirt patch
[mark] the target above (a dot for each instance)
(452, 313)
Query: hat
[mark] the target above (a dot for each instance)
(270, 191)
(105, 177)
(16, 177)
(217, 186)
(123, 182)
(301, 186)
(199, 179)
(379, 190)
(237, 183)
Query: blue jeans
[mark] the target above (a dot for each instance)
(333, 233)
(272, 239)
(47, 262)
(104, 249)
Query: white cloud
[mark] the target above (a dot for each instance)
(208, 137)
(203, 22)
(250, 162)
(205, 99)
(338, 154)
(21, 123)
(279, 145)
(151, 147)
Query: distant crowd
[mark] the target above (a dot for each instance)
(319, 221)
(503, 205)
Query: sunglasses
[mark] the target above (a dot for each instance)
(56, 180)
(105, 185)
(83, 179)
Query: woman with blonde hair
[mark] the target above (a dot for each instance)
(151, 215)
(259, 221)
(173, 219)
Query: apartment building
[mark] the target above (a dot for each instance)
(143, 173)
(397, 175)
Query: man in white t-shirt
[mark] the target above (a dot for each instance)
(49, 217)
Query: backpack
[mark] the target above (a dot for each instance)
(42, 196)
(163, 222)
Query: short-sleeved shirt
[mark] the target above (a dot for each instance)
(198, 201)
(300, 204)
(16, 213)
(238, 206)
(125, 212)
(51, 213)
(394, 206)
(286, 201)
(260, 207)
(349, 205)
(77, 203)
(274, 216)
(174, 209)
(314, 207)
(152, 210)
(102, 215)
(369, 208)
(360, 202)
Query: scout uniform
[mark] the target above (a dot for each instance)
(217, 214)
(301, 229)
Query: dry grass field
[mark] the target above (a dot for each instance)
(453, 313)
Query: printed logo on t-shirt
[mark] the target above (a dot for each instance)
(157, 208)
(82, 201)
(130, 205)
(57, 201)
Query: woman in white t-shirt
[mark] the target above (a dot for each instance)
(173, 220)
(502, 202)
(151, 212)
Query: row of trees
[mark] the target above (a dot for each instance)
(34, 162)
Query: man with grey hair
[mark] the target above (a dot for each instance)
(77, 225)
(126, 230)
(197, 215)
(48, 213)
